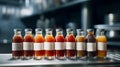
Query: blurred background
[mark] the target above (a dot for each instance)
(54, 14)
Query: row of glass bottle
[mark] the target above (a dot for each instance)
(59, 47)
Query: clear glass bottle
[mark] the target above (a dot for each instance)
(49, 45)
(28, 44)
(59, 44)
(101, 43)
(38, 44)
(70, 44)
(91, 44)
(17, 44)
(80, 44)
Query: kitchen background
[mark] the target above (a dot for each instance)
(59, 14)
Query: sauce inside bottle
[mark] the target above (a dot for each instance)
(91, 44)
(80, 44)
(70, 44)
(49, 46)
(59, 44)
(101, 43)
(28, 44)
(17, 44)
(38, 44)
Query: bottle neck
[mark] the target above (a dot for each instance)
(80, 34)
(48, 33)
(90, 33)
(17, 33)
(59, 33)
(69, 33)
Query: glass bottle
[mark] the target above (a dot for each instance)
(28, 44)
(70, 44)
(101, 43)
(80, 44)
(59, 44)
(17, 44)
(49, 46)
(91, 44)
(38, 44)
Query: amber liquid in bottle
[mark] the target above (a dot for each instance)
(17, 44)
(101, 44)
(49, 46)
(80, 44)
(70, 45)
(91, 44)
(59, 44)
(38, 44)
(28, 44)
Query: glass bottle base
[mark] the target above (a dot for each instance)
(28, 57)
(38, 58)
(49, 58)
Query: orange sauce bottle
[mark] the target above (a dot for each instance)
(38, 44)
(49, 45)
(59, 44)
(17, 44)
(80, 44)
(101, 44)
(28, 44)
(70, 45)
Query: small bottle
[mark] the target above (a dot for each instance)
(38, 44)
(80, 44)
(17, 44)
(28, 44)
(49, 45)
(60, 45)
(101, 43)
(91, 44)
(70, 44)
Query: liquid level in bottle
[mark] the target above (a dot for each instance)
(39, 53)
(81, 42)
(103, 51)
(17, 53)
(28, 53)
(60, 53)
(50, 53)
(70, 53)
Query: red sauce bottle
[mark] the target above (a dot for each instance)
(49, 45)
(70, 45)
(38, 44)
(17, 44)
(28, 44)
(59, 44)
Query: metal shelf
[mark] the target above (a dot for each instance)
(7, 61)
(108, 27)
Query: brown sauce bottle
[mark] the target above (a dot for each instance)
(90, 44)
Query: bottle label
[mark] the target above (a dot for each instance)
(27, 45)
(17, 46)
(38, 46)
(49, 46)
(80, 46)
(101, 46)
(70, 45)
(59, 45)
(91, 46)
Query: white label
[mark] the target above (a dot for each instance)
(17, 46)
(27, 45)
(80, 46)
(101, 46)
(49, 46)
(70, 45)
(91, 46)
(38, 46)
(59, 45)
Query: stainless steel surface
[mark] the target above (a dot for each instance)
(112, 58)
